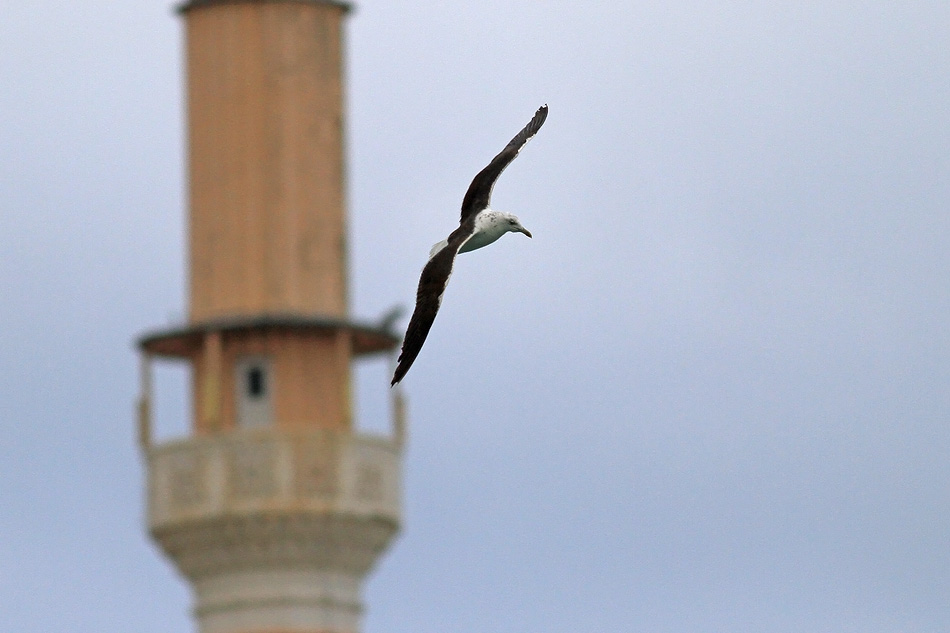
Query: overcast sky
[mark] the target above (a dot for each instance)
(710, 395)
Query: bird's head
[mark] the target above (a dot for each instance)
(514, 225)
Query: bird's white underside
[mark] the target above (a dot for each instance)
(489, 226)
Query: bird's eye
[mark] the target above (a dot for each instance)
(511, 222)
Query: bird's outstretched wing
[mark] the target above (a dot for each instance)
(479, 192)
(436, 273)
(432, 283)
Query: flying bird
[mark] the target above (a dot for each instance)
(479, 226)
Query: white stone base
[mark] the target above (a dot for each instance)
(303, 600)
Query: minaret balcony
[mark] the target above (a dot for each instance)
(314, 497)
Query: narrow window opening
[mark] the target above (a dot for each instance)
(256, 387)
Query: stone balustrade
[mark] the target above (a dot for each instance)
(256, 471)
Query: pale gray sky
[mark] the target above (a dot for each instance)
(710, 395)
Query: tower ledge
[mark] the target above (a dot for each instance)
(196, 4)
(185, 340)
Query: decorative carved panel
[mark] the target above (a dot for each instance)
(369, 482)
(187, 483)
(251, 470)
(317, 459)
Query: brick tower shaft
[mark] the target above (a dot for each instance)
(265, 129)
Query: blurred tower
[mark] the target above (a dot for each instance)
(274, 508)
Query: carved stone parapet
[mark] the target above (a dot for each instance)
(263, 471)
(275, 528)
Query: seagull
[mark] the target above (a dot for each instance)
(479, 226)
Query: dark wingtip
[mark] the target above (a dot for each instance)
(396, 378)
(539, 118)
(399, 373)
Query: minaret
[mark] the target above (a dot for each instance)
(274, 507)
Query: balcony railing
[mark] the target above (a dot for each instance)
(253, 471)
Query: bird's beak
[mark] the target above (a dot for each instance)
(525, 231)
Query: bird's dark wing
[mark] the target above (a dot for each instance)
(432, 283)
(479, 192)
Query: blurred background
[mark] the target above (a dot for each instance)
(709, 395)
